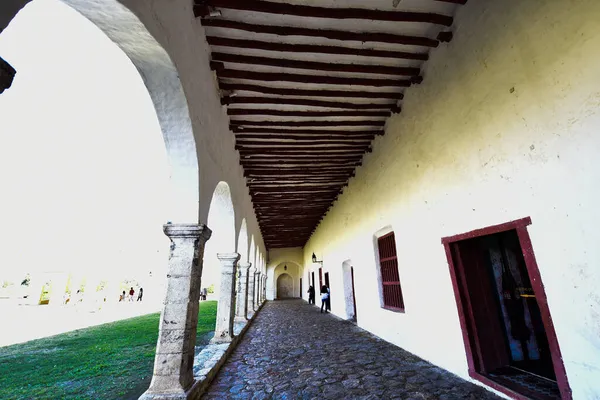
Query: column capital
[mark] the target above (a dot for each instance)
(231, 257)
(244, 265)
(188, 231)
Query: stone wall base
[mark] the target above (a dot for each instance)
(212, 357)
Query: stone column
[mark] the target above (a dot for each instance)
(226, 305)
(264, 293)
(241, 303)
(174, 360)
(251, 287)
(257, 290)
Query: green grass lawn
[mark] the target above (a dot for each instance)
(111, 361)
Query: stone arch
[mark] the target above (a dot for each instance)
(242, 244)
(161, 78)
(285, 286)
(221, 220)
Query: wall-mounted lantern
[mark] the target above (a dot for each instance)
(315, 261)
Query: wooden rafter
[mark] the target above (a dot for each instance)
(314, 65)
(201, 8)
(310, 93)
(311, 48)
(308, 78)
(377, 37)
(305, 102)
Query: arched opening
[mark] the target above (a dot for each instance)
(285, 286)
(252, 252)
(242, 247)
(349, 295)
(161, 79)
(221, 220)
(285, 268)
(85, 174)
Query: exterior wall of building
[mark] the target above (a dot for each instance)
(504, 126)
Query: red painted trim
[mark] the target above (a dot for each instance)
(461, 308)
(520, 226)
(394, 309)
(495, 385)
(542, 300)
(490, 230)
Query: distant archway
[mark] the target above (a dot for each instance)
(284, 268)
(285, 286)
(221, 220)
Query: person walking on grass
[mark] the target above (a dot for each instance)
(325, 299)
(140, 294)
(131, 293)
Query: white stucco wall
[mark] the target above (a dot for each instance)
(504, 126)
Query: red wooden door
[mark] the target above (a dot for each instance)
(482, 309)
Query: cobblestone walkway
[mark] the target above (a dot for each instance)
(291, 351)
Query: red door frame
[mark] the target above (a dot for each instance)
(464, 311)
(353, 294)
(320, 278)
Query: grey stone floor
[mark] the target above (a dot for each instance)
(292, 351)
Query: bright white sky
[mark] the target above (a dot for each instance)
(83, 169)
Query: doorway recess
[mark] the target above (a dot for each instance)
(507, 329)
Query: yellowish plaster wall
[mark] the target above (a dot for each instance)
(504, 126)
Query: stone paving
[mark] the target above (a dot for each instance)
(292, 351)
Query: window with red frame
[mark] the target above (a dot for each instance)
(390, 278)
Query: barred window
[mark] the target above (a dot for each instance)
(390, 278)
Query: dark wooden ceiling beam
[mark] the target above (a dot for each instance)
(244, 123)
(314, 65)
(304, 102)
(202, 9)
(311, 48)
(301, 163)
(311, 114)
(309, 78)
(315, 160)
(323, 33)
(299, 170)
(333, 190)
(259, 147)
(306, 131)
(320, 135)
(310, 93)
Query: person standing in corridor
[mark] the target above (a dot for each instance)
(325, 299)
(311, 294)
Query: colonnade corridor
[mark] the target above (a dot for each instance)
(292, 351)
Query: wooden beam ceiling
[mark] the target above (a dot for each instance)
(308, 88)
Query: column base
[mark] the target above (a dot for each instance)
(163, 396)
(220, 339)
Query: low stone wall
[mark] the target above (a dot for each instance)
(212, 357)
